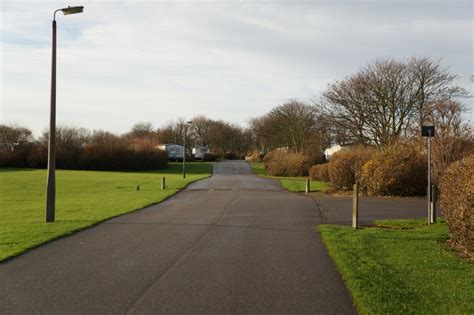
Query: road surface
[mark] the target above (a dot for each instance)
(338, 209)
(233, 243)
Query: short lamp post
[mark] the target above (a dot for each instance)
(51, 182)
(184, 146)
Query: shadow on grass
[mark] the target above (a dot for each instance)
(176, 168)
(380, 233)
(192, 168)
(13, 169)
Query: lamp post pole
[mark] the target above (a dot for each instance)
(51, 181)
(184, 151)
(429, 131)
(184, 147)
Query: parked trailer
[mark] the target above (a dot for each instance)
(199, 152)
(174, 151)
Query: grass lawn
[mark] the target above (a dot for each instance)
(83, 198)
(404, 267)
(294, 184)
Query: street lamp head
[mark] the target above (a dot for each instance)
(69, 10)
(73, 10)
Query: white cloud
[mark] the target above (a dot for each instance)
(123, 62)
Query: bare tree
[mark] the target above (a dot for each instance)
(432, 83)
(141, 130)
(454, 137)
(13, 135)
(293, 125)
(265, 136)
(379, 103)
(68, 137)
(200, 129)
(224, 137)
(173, 132)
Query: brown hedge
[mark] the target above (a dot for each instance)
(281, 163)
(256, 156)
(97, 157)
(345, 166)
(210, 157)
(15, 158)
(93, 156)
(233, 156)
(319, 172)
(457, 203)
(399, 170)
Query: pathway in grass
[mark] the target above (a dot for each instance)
(83, 199)
(403, 268)
(293, 184)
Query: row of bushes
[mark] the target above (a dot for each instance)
(457, 202)
(210, 157)
(233, 156)
(281, 163)
(88, 157)
(399, 170)
(255, 156)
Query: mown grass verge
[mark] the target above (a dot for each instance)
(404, 267)
(83, 199)
(293, 184)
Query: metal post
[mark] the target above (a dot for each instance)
(184, 152)
(51, 181)
(355, 206)
(429, 180)
(163, 183)
(308, 185)
(434, 197)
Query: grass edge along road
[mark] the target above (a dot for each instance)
(84, 199)
(293, 184)
(401, 267)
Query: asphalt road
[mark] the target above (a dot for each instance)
(233, 243)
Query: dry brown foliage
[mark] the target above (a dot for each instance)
(399, 170)
(280, 163)
(319, 172)
(345, 166)
(256, 156)
(457, 202)
(209, 157)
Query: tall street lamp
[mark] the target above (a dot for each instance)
(51, 182)
(184, 147)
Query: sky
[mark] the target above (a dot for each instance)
(123, 62)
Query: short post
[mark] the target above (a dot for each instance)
(308, 187)
(434, 195)
(163, 183)
(429, 180)
(355, 206)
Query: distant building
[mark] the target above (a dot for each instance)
(328, 153)
(199, 151)
(174, 151)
